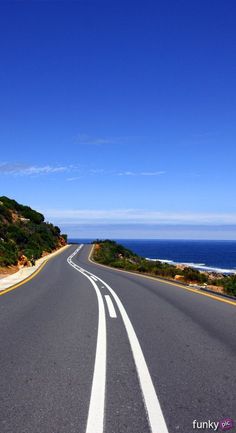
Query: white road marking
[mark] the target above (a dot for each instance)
(95, 421)
(153, 408)
(154, 413)
(110, 307)
(95, 279)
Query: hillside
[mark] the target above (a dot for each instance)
(110, 253)
(24, 234)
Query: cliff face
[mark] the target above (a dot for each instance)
(24, 234)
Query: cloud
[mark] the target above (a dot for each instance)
(97, 141)
(97, 171)
(149, 231)
(103, 172)
(142, 173)
(134, 216)
(126, 173)
(71, 179)
(152, 173)
(28, 170)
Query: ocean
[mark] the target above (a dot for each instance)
(215, 256)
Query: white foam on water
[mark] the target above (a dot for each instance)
(199, 266)
(159, 260)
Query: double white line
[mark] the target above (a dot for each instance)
(95, 422)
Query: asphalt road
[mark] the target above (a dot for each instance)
(88, 349)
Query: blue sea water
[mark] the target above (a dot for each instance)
(218, 256)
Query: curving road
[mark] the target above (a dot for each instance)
(88, 349)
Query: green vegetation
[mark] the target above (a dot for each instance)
(229, 284)
(23, 231)
(110, 253)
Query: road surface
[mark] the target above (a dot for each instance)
(88, 349)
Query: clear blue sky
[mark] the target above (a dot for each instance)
(118, 118)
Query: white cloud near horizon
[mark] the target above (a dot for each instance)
(134, 216)
(27, 170)
(149, 231)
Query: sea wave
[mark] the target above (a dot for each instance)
(159, 260)
(199, 266)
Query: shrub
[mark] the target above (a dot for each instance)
(229, 284)
(5, 213)
(194, 275)
(8, 253)
(64, 236)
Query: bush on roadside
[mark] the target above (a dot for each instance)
(229, 284)
(8, 253)
(191, 274)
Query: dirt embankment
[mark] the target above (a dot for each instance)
(23, 262)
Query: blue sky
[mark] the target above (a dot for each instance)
(118, 119)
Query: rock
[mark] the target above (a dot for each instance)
(23, 261)
(179, 277)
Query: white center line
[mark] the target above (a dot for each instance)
(95, 420)
(96, 410)
(154, 413)
(110, 307)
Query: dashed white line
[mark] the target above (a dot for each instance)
(153, 408)
(110, 306)
(154, 413)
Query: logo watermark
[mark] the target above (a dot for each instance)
(223, 424)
